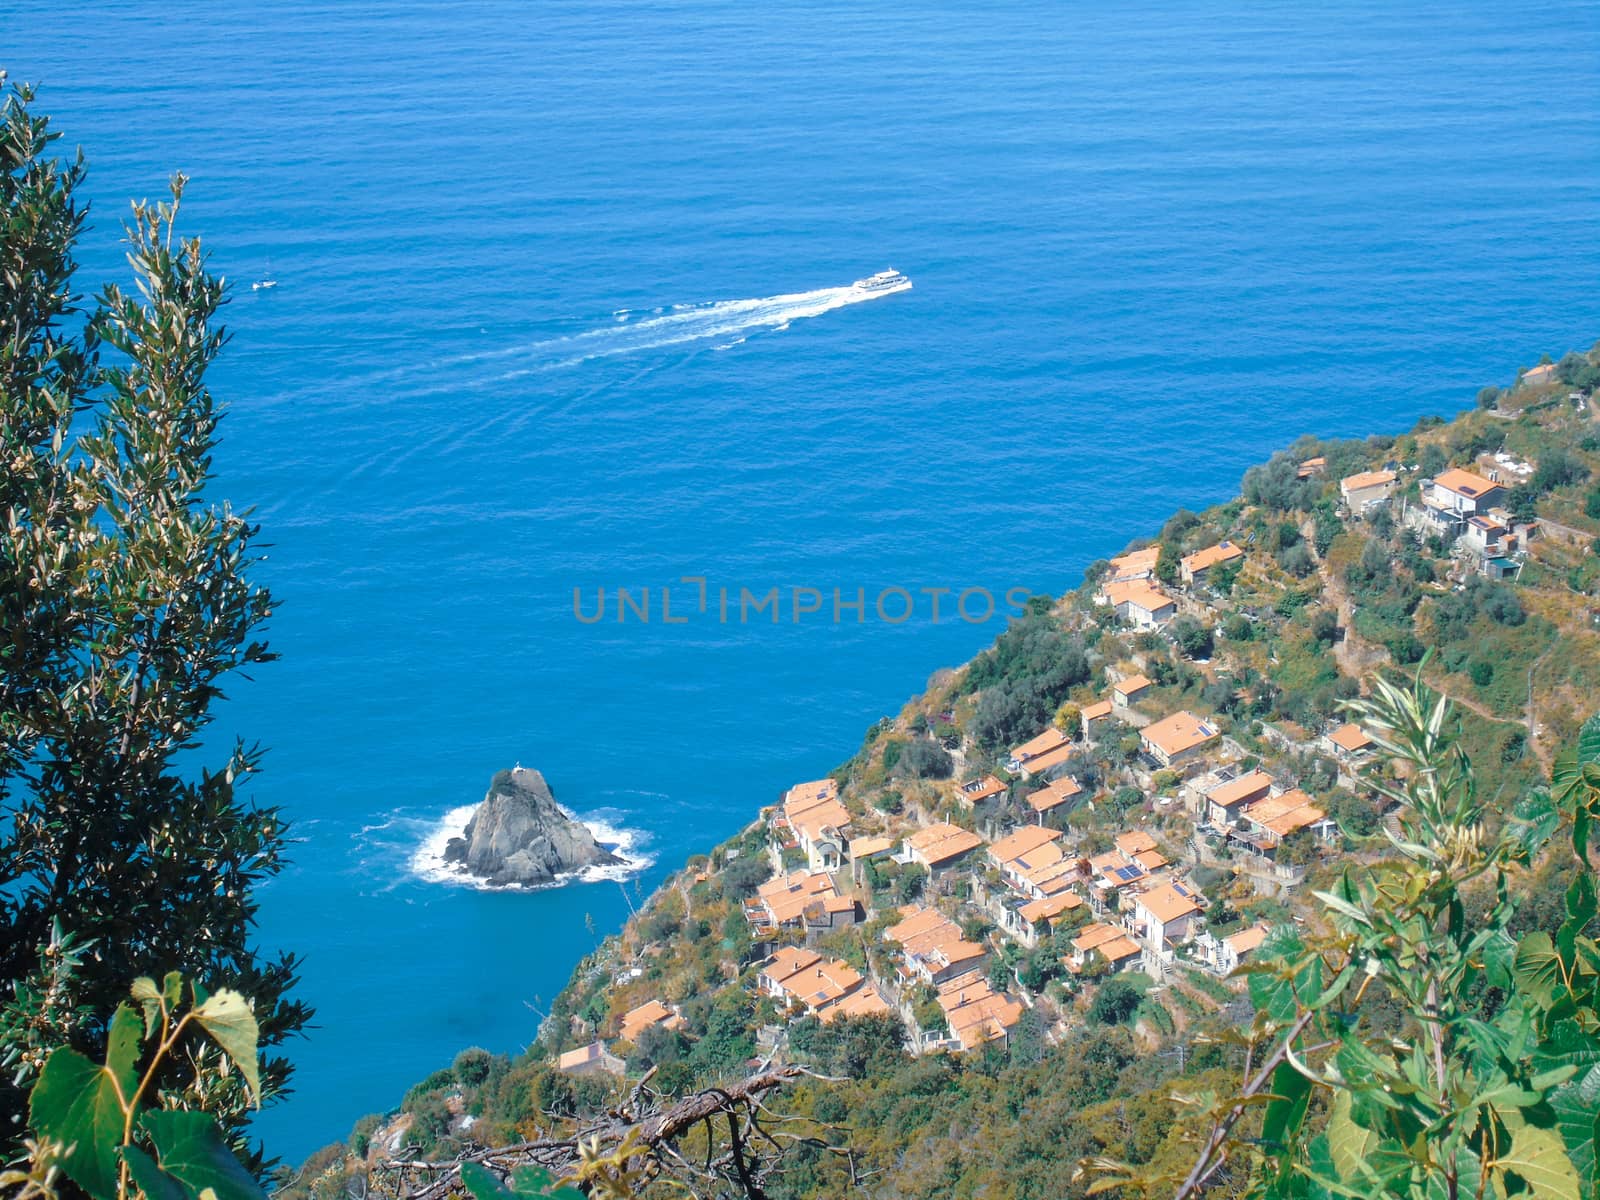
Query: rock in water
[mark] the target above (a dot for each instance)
(520, 836)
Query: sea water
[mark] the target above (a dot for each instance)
(563, 303)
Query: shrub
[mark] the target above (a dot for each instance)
(472, 1066)
(1558, 467)
(1297, 560)
(1191, 637)
(1115, 1002)
(924, 758)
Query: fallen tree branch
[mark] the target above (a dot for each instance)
(653, 1136)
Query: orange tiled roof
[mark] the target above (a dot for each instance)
(1021, 841)
(1094, 935)
(977, 1013)
(1168, 902)
(1047, 741)
(866, 847)
(788, 896)
(1055, 794)
(1131, 686)
(942, 842)
(1177, 733)
(1211, 556)
(1139, 593)
(1093, 712)
(788, 961)
(594, 1052)
(1050, 907)
(1365, 479)
(864, 1002)
(1247, 940)
(1286, 813)
(1350, 737)
(1235, 791)
(652, 1012)
(1464, 483)
(1135, 562)
(1133, 841)
(977, 790)
(926, 933)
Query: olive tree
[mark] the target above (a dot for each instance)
(125, 603)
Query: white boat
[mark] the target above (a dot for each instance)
(881, 281)
(262, 285)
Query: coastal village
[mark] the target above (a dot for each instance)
(1165, 816)
(1042, 884)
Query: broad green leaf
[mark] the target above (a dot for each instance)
(75, 1103)
(155, 1183)
(149, 998)
(1273, 989)
(1349, 1144)
(1576, 1105)
(482, 1183)
(122, 1049)
(1538, 1158)
(536, 1183)
(1499, 953)
(191, 1151)
(1291, 1092)
(1537, 968)
(1581, 908)
(172, 989)
(1589, 740)
(226, 1016)
(1535, 821)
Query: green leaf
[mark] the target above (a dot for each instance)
(1538, 1158)
(192, 1152)
(76, 1104)
(1283, 971)
(155, 1183)
(1589, 740)
(122, 1049)
(149, 998)
(481, 1182)
(172, 989)
(536, 1183)
(1349, 1144)
(1576, 1105)
(226, 1016)
(1537, 968)
(1581, 908)
(1499, 953)
(1291, 1091)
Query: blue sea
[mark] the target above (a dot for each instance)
(561, 304)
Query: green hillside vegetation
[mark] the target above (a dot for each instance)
(1267, 651)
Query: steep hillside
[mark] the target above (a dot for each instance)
(1011, 920)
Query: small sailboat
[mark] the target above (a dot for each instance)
(267, 282)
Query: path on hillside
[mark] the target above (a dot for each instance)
(1356, 656)
(1496, 718)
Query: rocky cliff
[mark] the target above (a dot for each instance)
(519, 836)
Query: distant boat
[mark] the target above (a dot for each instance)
(882, 281)
(265, 284)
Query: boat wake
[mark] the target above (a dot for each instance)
(718, 324)
(427, 860)
(718, 321)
